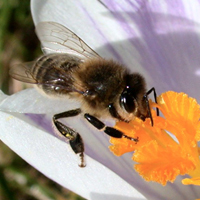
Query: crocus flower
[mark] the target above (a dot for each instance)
(159, 39)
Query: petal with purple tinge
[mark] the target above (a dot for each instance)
(160, 39)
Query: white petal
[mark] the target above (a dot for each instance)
(55, 159)
(31, 101)
(2, 96)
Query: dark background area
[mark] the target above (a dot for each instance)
(18, 43)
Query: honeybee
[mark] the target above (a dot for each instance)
(70, 68)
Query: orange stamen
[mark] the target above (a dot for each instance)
(169, 148)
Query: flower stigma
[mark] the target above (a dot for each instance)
(168, 148)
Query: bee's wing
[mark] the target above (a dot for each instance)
(56, 38)
(21, 72)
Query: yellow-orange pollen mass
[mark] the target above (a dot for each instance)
(169, 148)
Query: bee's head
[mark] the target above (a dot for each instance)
(132, 97)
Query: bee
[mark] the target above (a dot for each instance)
(70, 68)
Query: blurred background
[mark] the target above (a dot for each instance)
(18, 43)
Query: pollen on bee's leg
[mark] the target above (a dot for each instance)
(60, 132)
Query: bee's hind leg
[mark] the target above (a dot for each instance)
(75, 139)
(108, 130)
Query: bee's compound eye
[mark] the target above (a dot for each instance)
(127, 101)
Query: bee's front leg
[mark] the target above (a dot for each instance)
(108, 130)
(147, 103)
(75, 139)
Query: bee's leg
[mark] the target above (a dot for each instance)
(108, 130)
(147, 103)
(75, 139)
